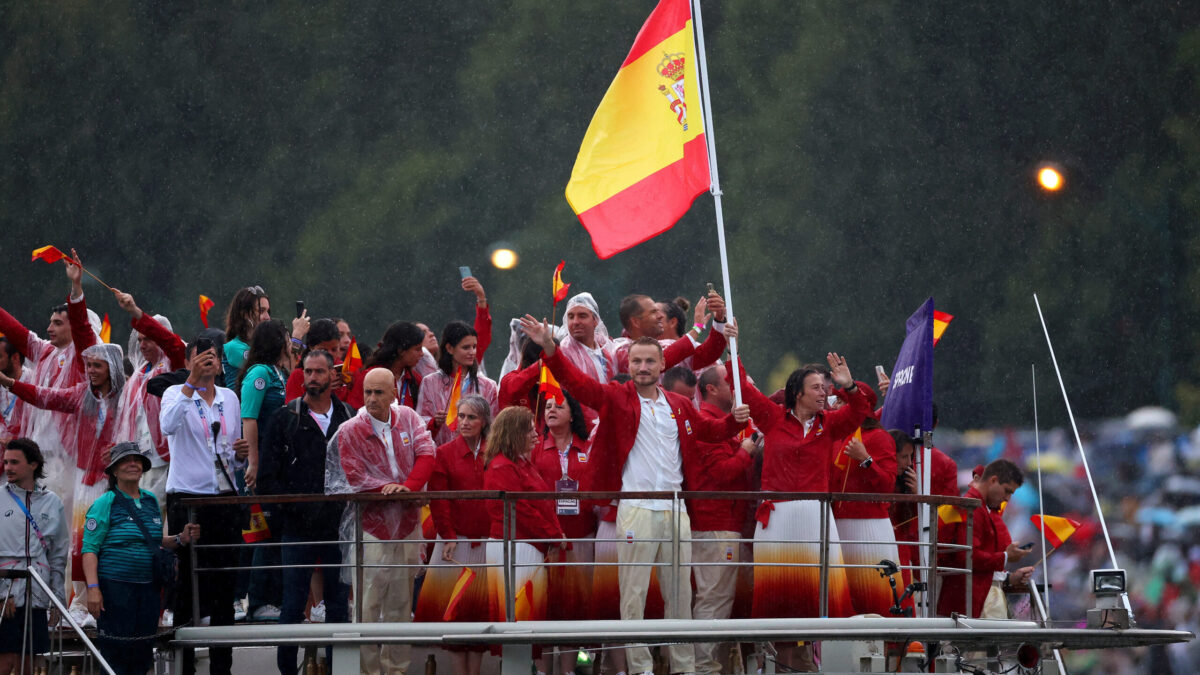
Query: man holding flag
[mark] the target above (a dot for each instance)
(992, 549)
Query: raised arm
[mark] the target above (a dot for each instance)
(712, 348)
(21, 337)
(586, 390)
(765, 412)
(483, 317)
(145, 324)
(843, 421)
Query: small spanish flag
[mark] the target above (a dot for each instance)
(205, 304)
(48, 253)
(258, 526)
(940, 321)
(452, 404)
(549, 386)
(523, 603)
(560, 289)
(841, 460)
(456, 594)
(1056, 528)
(105, 330)
(352, 363)
(948, 515)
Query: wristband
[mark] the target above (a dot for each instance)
(178, 541)
(699, 327)
(298, 343)
(93, 585)
(195, 388)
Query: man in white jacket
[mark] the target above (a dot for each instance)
(33, 535)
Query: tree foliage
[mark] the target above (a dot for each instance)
(354, 154)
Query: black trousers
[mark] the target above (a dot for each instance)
(221, 525)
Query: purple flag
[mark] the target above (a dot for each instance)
(909, 402)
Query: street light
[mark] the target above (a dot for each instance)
(504, 257)
(1050, 178)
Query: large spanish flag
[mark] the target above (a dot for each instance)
(643, 159)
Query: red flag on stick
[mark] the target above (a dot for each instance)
(49, 254)
(205, 305)
(105, 330)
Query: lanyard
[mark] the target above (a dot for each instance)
(28, 516)
(12, 402)
(220, 406)
(564, 460)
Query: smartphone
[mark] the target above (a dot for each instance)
(880, 373)
(203, 345)
(299, 308)
(708, 288)
(464, 271)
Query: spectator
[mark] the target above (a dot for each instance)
(400, 351)
(11, 364)
(33, 536)
(323, 335)
(200, 421)
(247, 309)
(123, 531)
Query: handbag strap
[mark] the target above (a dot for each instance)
(123, 498)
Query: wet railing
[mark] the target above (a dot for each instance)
(91, 658)
(930, 571)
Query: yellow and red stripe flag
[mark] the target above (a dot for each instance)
(353, 361)
(643, 159)
(560, 289)
(105, 330)
(841, 459)
(452, 404)
(523, 603)
(48, 253)
(456, 594)
(940, 321)
(549, 386)
(1056, 528)
(206, 304)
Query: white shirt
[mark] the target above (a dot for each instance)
(187, 427)
(322, 419)
(383, 430)
(654, 462)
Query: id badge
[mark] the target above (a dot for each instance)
(222, 481)
(567, 507)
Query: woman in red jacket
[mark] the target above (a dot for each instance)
(510, 468)
(461, 528)
(867, 464)
(562, 455)
(799, 440)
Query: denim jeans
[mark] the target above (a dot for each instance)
(296, 585)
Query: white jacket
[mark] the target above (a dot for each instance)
(47, 553)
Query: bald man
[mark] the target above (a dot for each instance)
(385, 448)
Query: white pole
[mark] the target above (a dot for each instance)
(1037, 443)
(1112, 555)
(928, 556)
(715, 189)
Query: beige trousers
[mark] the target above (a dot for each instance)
(716, 586)
(636, 525)
(387, 597)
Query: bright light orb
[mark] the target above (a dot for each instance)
(504, 258)
(1050, 179)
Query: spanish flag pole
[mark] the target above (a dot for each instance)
(715, 189)
(647, 154)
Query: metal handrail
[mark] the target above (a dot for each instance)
(62, 610)
(509, 499)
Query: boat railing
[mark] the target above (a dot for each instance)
(926, 566)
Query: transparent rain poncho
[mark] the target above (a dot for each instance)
(357, 460)
(138, 410)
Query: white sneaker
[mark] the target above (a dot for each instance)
(239, 610)
(317, 613)
(265, 613)
(82, 617)
(167, 619)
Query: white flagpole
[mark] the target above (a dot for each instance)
(1037, 443)
(1079, 443)
(715, 189)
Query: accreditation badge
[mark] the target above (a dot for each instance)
(567, 507)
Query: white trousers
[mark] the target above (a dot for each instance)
(716, 586)
(387, 597)
(636, 525)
